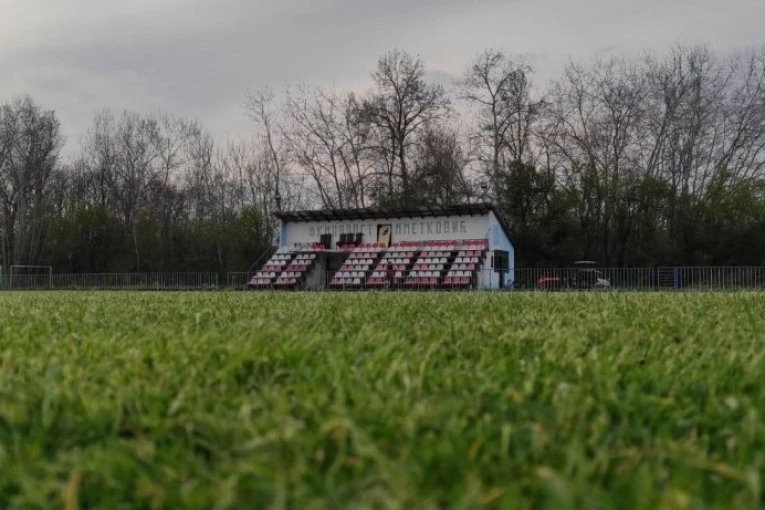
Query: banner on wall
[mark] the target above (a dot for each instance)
(384, 234)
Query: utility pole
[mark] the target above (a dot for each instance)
(278, 199)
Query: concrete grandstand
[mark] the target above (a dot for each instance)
(445, 247)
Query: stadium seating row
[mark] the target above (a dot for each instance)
(429, 267)
(354, 269)
(461, 274)
(449, 281)
(445, 245)
(277, 262)
(417, 262)
(345, 282)
(360, 261)
(291, 274)
(394, 267)
(437, 254)
(392, 254)
(285, 268)
(425, 274)
(379, 274)
(406, 244)
(437, 257)
(364, 255)
(424, 281)
(431, 281)
(370, 247)
(349, 274)
(434, 260)
(401, 260)
(452, 245)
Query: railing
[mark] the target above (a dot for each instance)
(639, 278)
(552, 279)
(112, 281)
(570, 279)
(238, 280)
(659, 278)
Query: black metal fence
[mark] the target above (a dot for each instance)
(111, 281)
(641, 278)
(552, 279)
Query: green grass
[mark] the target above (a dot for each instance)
(242, 400)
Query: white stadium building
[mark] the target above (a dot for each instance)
(451, 247)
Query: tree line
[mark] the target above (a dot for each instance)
(626, 161)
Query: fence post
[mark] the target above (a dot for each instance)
(676, 279)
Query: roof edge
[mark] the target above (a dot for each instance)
(370, 213)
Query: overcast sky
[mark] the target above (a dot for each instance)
(198, 58)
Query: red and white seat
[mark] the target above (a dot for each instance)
(347, 279)
(467, 261)
(284, 269)
(423, 278)
(272, 269)
(432, 263)
(379, 277)
(398, 257)
(457, 278)
(359, 263)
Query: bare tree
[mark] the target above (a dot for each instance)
(402, 104)
(260, 108)
(136, 170)
(501, 90)
(439, 169)
(325, 138)
(164, 195)
(705, 125)
(594, 129)
(99, 159)
(742, 149)
(30, 141)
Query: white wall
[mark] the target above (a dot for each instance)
(443, 228)
(498, 240)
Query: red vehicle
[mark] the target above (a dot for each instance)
(582, 276)
(550, 283)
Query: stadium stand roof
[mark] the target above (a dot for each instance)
(371, 213)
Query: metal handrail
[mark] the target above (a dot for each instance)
(263, 256)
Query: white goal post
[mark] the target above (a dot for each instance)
(16, 267)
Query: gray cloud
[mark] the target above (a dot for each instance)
(199, 58)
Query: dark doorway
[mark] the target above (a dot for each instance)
(501, 265)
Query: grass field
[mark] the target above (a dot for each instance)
(241, 400)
